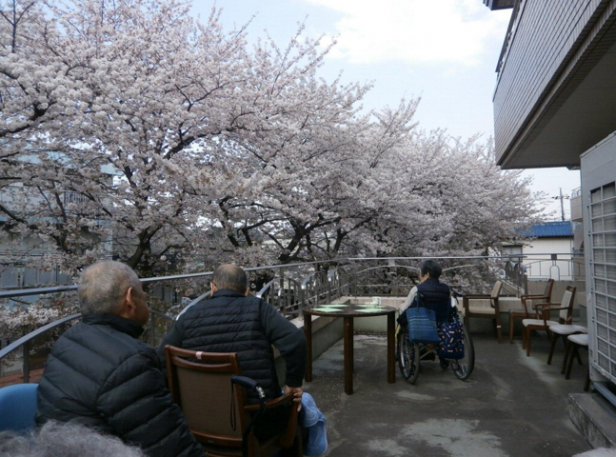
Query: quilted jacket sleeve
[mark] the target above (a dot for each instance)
(139, 407)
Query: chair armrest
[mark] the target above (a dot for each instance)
(549, 306)
(534, 297)
(545, 309)
(282, 400)
(288, 436)
(472, 296)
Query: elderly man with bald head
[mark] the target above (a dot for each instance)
(99, 374)
(231, 321)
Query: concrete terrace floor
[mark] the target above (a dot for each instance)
(512, 406)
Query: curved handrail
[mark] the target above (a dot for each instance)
(379, 267)
(35, 333)
(270, 283)
(72, 287)
(193, 303)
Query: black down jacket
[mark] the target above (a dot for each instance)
(100, 375)
(437, 296)
(232, 322)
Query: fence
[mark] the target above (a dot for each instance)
(289, 288)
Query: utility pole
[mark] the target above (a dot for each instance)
(561, 197)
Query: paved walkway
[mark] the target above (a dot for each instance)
(512, 406)
(35, 376)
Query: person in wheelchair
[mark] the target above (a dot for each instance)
(454, 347)
(433, 293)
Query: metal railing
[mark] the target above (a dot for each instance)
(291, 288)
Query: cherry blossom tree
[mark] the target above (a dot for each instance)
(130, 129)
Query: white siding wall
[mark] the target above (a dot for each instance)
(560, 269)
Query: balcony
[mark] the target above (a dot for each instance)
(508, 407)
(511, 406)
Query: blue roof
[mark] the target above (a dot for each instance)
(550, 230)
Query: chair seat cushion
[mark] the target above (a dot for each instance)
(486, 311)
(580, 339)
(538, 322)
(563, 329)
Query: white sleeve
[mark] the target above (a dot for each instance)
(409, 300)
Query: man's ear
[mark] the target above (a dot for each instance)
(128, 306)
(246, 291)
(213, 288)
(129, 298)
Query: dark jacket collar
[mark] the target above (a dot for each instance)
(227, 293)
(118, 323)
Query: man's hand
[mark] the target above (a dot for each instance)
(297, 393)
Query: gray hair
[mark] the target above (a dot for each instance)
(102, 286)
(57, 439)
(230, 276)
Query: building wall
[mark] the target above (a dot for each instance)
(543, 37)
(542, 267)
(599, 205)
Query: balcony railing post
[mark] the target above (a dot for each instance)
(152, 330)
(26, 362)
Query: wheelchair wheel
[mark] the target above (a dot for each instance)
(464, 367)
(408, 358)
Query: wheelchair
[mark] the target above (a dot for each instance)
(410, 355)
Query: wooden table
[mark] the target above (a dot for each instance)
(348, 313)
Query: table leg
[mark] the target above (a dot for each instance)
(348, 355)
(308, 334)
(391, 348)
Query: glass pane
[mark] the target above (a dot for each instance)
(595, 195)
(610, 239)
(610, 256)
(597, 225)
(601, 301)
(609, 191)
(609, 223)
(596, 210)
(599, 271)
(600, 286)
(599, 255)
(30, 277)
(597, 240)
(47, 277)
(610, 272)
(602, 331)
(611, 288)
(609, 207)
(602, 317)
(602, 347)
(603, 361)
(10, 277)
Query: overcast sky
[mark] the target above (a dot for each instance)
(442, 51)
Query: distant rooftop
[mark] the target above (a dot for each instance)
(550, 230)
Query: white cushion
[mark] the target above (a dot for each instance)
(540, 322)
(581, 339)
(564, 329)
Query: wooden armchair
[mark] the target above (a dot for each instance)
(565, 308)
(484, 306)
(216, 411)
(528, 312)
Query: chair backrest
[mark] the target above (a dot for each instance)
(567, 304)
(200, 383)
(496, 290)
(548, 289)
(17, 407)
